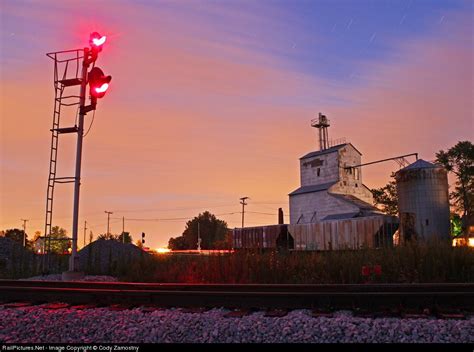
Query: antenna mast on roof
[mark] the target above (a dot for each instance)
(322, 124)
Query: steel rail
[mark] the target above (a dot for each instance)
(145, 285)
(371, 296)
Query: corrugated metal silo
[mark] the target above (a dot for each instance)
(423, 202)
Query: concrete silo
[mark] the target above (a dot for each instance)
(423, 202)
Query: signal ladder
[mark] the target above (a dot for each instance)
(67, 66)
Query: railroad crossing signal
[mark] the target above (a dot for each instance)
(143, 237)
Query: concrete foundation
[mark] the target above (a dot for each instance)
(72, 275)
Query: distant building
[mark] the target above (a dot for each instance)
(423, 202)
(38, 245)
(329, 191)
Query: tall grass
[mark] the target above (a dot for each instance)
(412, 263)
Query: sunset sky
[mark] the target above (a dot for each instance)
(212, 100)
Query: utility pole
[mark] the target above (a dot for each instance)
(123, 229)
(108, 220)
(242, 201)
(85, 229)
(199, 236)
(24, 231)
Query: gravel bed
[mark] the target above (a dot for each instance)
(57, 277)
(102, 325)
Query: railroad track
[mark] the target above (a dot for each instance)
(370, 297)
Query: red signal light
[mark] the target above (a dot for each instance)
(103, 88)
(97, 40)
(98, 82)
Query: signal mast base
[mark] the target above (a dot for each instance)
(72, 275)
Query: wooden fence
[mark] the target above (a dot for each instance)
(369, 232)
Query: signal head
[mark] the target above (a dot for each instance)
(96, 40)
(98, 82)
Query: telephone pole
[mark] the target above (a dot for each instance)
(199, 237)
(108, 220)
(85, 229)
(242, 201)
(24, 231)
(123, 229)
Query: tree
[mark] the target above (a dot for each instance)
(125, 237)
(460, 161)
(107, 237)
(118, 238)
(16, 235)
(456, 224)
(37, 235)
(60, 242)
(226, 243)
(387, 198)
(211, 230)
(178, 243)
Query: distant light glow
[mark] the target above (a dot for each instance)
(163, 250)
(462, 241)
(102, 88)
(99, 41)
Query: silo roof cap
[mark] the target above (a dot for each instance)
(420, 164)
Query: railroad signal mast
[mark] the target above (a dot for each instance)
(71, 70)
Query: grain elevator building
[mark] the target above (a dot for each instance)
(329, 189)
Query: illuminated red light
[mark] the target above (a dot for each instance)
(102, 88)
(99, 41)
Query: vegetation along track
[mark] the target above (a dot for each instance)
(243, 296)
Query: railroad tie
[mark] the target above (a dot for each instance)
(276, 313)
(238, 313)
(119, 307)
(56, 305)
(321, 314)
(194, 310)
(17, 304)
(149, 309)
(84, 306)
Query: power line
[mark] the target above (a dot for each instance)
(257, 212)
(174, 209)
(272, 214)
(268, 203)
(168, 219)
(90, 126)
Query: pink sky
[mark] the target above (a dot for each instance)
(193, 124)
